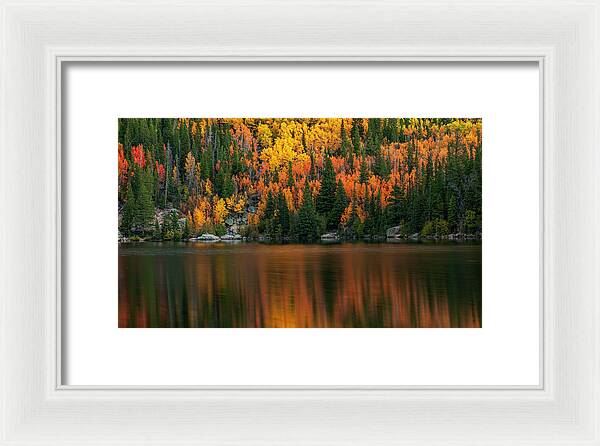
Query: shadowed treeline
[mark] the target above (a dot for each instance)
(254, 285)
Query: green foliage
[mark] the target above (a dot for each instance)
(128, 210)
(307, 226)
(452, 213)
(364, 171)
(290, 175)
(374, 222)
(326, 196)
(344, 142)
(186, 231)
(435, 228)
(472, 224)
(339, 205)
(220, 230)
(156, 235)
(382, 167)
(283, 214)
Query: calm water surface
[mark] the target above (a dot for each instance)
(256, 285)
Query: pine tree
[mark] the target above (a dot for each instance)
(368, 226)
(356, 136)
(452, 213)
(128, 211)
(345, 143)
(283, 214)
(307, 218)
(186, 230)
(326, 196)
(339, 206)
(364, 171)
(270, 206)
(143, 208)
(175, 225)
(373, 136)
(381, 166)
(395, 210)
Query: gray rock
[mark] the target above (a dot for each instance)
(394, 232)
(330, 236)
(208, 238)
(231, 237)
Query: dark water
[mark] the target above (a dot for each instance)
(255, 285)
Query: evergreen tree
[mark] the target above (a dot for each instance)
(339, 206)
(128, 210)
(205, 165)
(381, 167)
(452, 214)
(350, 161)
(344, 142)
(283, 214)
(373, 142)
(374, 220)
(307, 227)
(364, 171)
(369, 224)
(143, 205)
(326, 196)
(356, 136)
(395, 210)
(270, 206)
(186, 231)
(175, 225)
(224, 186)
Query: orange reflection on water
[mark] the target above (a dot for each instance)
(255, 285)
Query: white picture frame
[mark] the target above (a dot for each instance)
(39, 36)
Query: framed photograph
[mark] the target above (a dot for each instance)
(258, 223)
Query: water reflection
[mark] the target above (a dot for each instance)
(255, 285)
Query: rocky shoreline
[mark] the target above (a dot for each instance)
(233, 229)
(331, 237)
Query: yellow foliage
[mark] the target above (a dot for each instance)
(220, 210)
(208, 188)
(265, 136)
(200, 216)
(287, 147)
(235, 204)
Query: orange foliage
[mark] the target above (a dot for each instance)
(139, 156)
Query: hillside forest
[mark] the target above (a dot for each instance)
(295, 180)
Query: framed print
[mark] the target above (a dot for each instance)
(308, 226)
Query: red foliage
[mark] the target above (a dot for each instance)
(139, 156)
(160, 170)
(123, 166)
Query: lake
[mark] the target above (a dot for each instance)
(253, 285)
